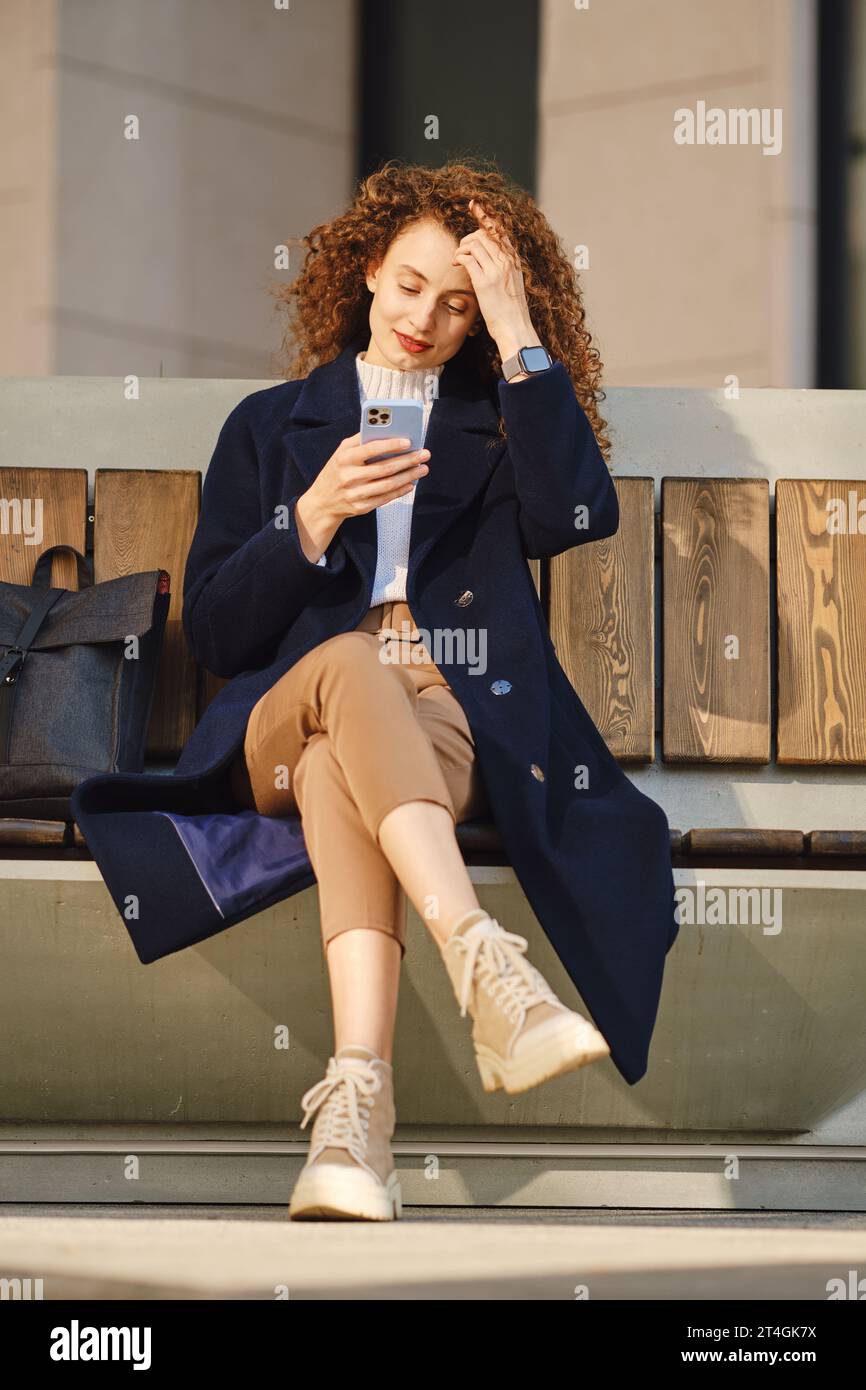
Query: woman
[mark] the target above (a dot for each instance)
(377, 754)
(347, 597)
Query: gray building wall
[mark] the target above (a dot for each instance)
(153, 255)
(700, 256)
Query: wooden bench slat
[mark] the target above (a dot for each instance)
(145, 520)
(749, 840)
(601, 623)
(716, 620)
(54, 499)
(22, 831)
(839, 842)
(821, 598)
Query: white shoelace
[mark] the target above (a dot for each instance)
(509, 979)
(350, 1088)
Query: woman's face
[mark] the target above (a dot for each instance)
(423, 306)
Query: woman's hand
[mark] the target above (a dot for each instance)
(493, 266)
(351, 483)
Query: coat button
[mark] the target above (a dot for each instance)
(537, 772)
(501, 687)
(465, 598)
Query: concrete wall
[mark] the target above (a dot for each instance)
(759, 1032)
(152, 255)
(28, 185)
(700, 256)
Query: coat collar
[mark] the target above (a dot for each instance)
(462, 422)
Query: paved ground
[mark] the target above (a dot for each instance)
(444, 1253)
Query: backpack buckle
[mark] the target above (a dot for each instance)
(16, 668)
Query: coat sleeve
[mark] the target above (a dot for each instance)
(558, 466)
(245, 583)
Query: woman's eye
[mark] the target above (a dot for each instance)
(454, 308)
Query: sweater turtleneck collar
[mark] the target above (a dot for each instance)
(391, 382)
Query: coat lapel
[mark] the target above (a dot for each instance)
(462, 424)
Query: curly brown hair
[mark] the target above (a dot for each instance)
(328, 303)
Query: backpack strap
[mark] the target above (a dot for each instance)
(12, 661)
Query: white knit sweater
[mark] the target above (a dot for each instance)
(394, 518)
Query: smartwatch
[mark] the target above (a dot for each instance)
(527, 359)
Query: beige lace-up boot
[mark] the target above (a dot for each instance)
(521, 1032)
(349, 1173)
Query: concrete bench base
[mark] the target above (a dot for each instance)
(759, 1028)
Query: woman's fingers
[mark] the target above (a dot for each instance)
(383, 468)
(364, 453)
(375, 486)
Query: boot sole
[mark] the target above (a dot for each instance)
(560, 1051)
(332, 1193)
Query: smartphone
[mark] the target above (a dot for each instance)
(384, 419)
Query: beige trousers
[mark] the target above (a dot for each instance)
(359, 726)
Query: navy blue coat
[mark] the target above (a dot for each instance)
(183, 861)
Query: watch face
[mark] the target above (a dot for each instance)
(534, 359)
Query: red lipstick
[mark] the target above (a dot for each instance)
(412, 344)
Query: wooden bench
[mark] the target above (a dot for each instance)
(716, 641)
(758, 611)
